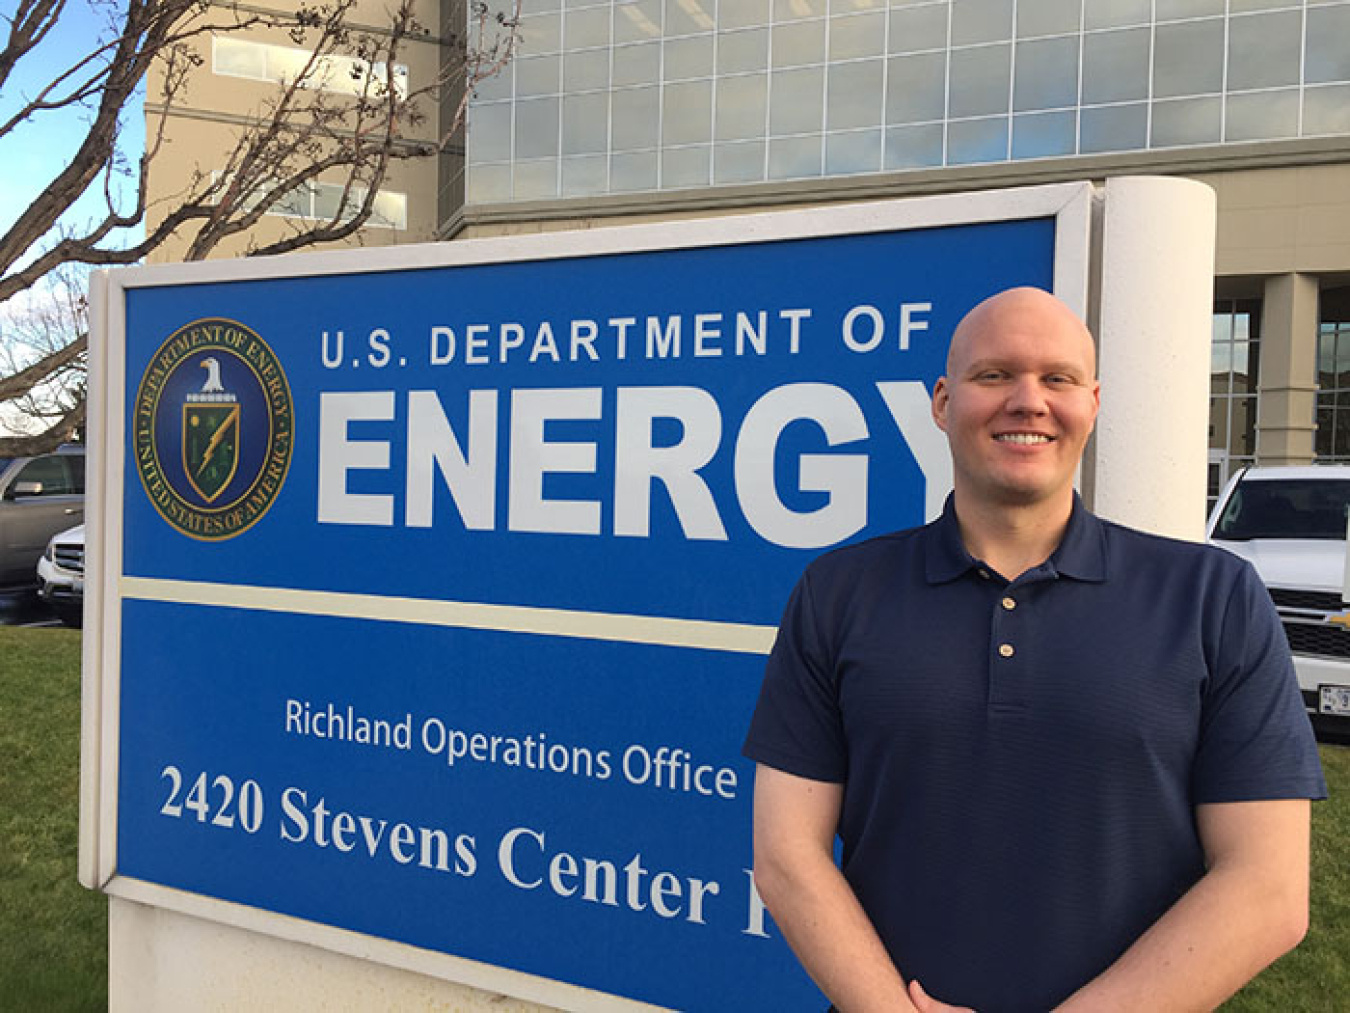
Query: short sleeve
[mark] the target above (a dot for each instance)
(796, 726)
(1256, 742)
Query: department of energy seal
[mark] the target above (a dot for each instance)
(213, 429)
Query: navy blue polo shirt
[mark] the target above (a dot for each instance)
(1021, 761)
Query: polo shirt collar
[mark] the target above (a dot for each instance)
(1080, 555)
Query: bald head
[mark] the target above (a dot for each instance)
(1030, 310)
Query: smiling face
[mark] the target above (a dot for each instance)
(1019, 400)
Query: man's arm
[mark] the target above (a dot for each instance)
(812, 903)
(1249, 908)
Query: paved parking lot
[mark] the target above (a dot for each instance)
(21, 607)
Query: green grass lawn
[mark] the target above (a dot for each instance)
(53, 932)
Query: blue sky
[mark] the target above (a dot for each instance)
(41, 147)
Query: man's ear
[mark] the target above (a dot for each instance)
(940, 397)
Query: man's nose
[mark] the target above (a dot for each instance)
(1026, 395)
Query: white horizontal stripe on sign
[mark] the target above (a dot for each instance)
(740, 638)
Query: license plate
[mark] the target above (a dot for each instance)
(1334, 700)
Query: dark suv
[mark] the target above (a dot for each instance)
(39, 496)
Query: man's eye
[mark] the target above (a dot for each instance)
(990, 376)
(1059, 380)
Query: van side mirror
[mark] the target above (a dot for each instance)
(26, 489)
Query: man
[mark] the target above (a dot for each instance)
(1068, 762)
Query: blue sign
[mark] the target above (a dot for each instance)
(446, 590)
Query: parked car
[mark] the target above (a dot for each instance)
(61, 576)
(1290, 522)
(39, 496)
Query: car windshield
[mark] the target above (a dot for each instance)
(1285, 508)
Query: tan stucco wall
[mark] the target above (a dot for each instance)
(1283, 221)
(211, 111)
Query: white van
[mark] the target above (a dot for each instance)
(1291, 523)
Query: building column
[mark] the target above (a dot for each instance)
(1286, 416)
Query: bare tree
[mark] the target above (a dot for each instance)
(344, 114)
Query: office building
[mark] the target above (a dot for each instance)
(643, 109)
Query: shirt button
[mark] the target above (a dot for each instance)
(1006, 650)
(984, 574)
(1009, 604)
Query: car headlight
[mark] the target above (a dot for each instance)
(50, 554)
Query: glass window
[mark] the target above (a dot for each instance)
(914, 29)
(586, 29)
(537, 128)
(742, 106)
(914, 147)
(979, 80)
(1173, 10)
(390, 210)
(1326, 110)
(1234, 358)
(794, 157)
(854, 95)
(637, 20)
(1040, 135)
(1047, 74)
(540, 34)
(496, 87)
(49, 473)
(536, 180)
(640, 64)
(796, 44)
(686, 113)
(857, 151)
(1047, 17)
(586, 71)
(1328, 52)
(1188, 58)
(741, 51)
(1113, 128)
(685, 166)
(1333, 376)
(977, 141)
(1115, 66)
(637, 118)
(490, 132)
(633, 172)
(915, 87)
(586, 176)
(75, 462)
(857, 36)
(688, 57)
(743, 13)
(977, 21)
(791, 10)
(1186, 121)
(796, 101)
(330, 202)
(489, 184)
(742, 162)
(1116, 13)
(1261, 115)
(238, 58)
(686, 17)
(540, 75)
(1242, 6)
(1263, 51)
(585, 123)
